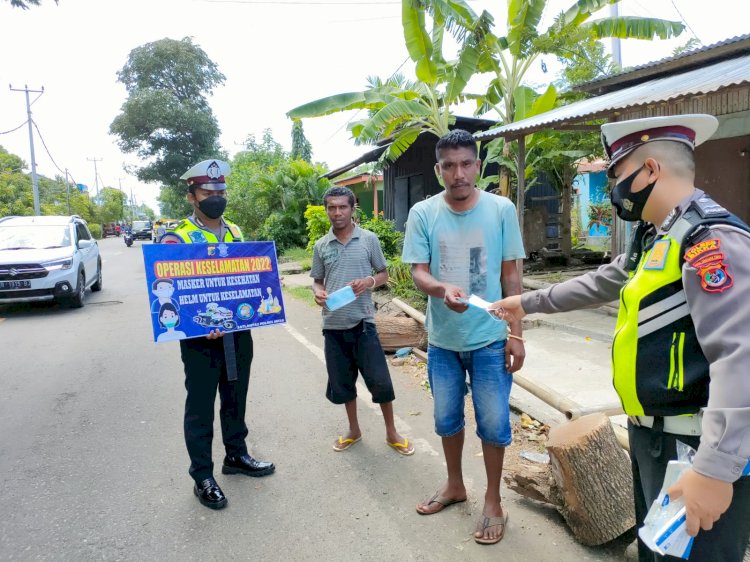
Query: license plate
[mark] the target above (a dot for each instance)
(25, 284)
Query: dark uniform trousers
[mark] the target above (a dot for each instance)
(650, 451)
(205, 371)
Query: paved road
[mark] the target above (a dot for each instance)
(94, 465)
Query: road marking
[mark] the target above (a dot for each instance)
(420, 443)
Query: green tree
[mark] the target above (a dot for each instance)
(166, 119)
(15, 187)
(269, 192)
(400, 109)
(173, 203)
(112, 206)
(690, 44)
(301, 148)
(260, 158)
(509, 57)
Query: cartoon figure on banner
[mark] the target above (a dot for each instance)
(269, 305)
(163, 289)
(215, 316)
(169, 319)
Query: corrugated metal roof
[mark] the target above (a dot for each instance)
(699, 81)
(661, 62)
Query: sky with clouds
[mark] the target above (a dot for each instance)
(276, 54)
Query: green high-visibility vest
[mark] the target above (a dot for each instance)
(659, 368)
(190, 233)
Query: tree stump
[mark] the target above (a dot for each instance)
(396, 332)
(593, 478)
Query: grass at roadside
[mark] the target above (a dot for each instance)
(298, 255)
(302, 293)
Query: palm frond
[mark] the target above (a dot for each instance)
(632, 27)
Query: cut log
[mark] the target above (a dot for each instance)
(413, 312)
(593, 475)
(396, 332)
(609, 409)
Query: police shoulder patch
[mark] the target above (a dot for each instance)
(703, 247)
(714, 274)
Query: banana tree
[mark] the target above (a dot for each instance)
(400, 110)
(549, 154)
(509, 57)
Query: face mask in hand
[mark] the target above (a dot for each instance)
(213, 207)
(629, 205)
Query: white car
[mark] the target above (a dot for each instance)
(48, 258)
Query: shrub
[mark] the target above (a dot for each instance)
(317, 224)
(96, 231)
(402, 285)
(391, 239)
(276, 227)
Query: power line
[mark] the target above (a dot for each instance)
(36, 98)
(686, 22)
(44, 144)
(13, 130)
(337, 131)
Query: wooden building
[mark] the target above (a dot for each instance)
(411, 178)
(714, 80)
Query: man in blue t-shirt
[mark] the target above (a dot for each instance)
(460, 243)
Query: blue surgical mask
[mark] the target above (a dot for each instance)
(170, 323)
(340, 298)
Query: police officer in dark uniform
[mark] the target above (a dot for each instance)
(218, 360)
(681, 351)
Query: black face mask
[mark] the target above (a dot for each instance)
(629, 205)
(213, 206)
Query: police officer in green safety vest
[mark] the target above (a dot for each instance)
(681, 350)
(219, 360)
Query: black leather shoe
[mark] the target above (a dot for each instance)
(246, 464)
(209, 494)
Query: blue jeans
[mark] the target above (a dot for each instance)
(490, 391)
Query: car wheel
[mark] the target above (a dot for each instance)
(76, 301)
(96, 287)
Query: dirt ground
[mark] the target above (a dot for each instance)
(529, 435)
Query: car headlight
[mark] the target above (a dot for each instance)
(53, 265)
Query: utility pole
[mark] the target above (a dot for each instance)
(614, 11)
(34, 178)
(119, 182)
(67, 189)
(96, 175)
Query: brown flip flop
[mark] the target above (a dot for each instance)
(442, 500)
(485, 522)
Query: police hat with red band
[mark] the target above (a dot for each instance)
(208, 175)
(620, 138)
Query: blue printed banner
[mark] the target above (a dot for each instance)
(196, 288)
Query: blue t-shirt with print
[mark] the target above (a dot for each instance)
(465, 249)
